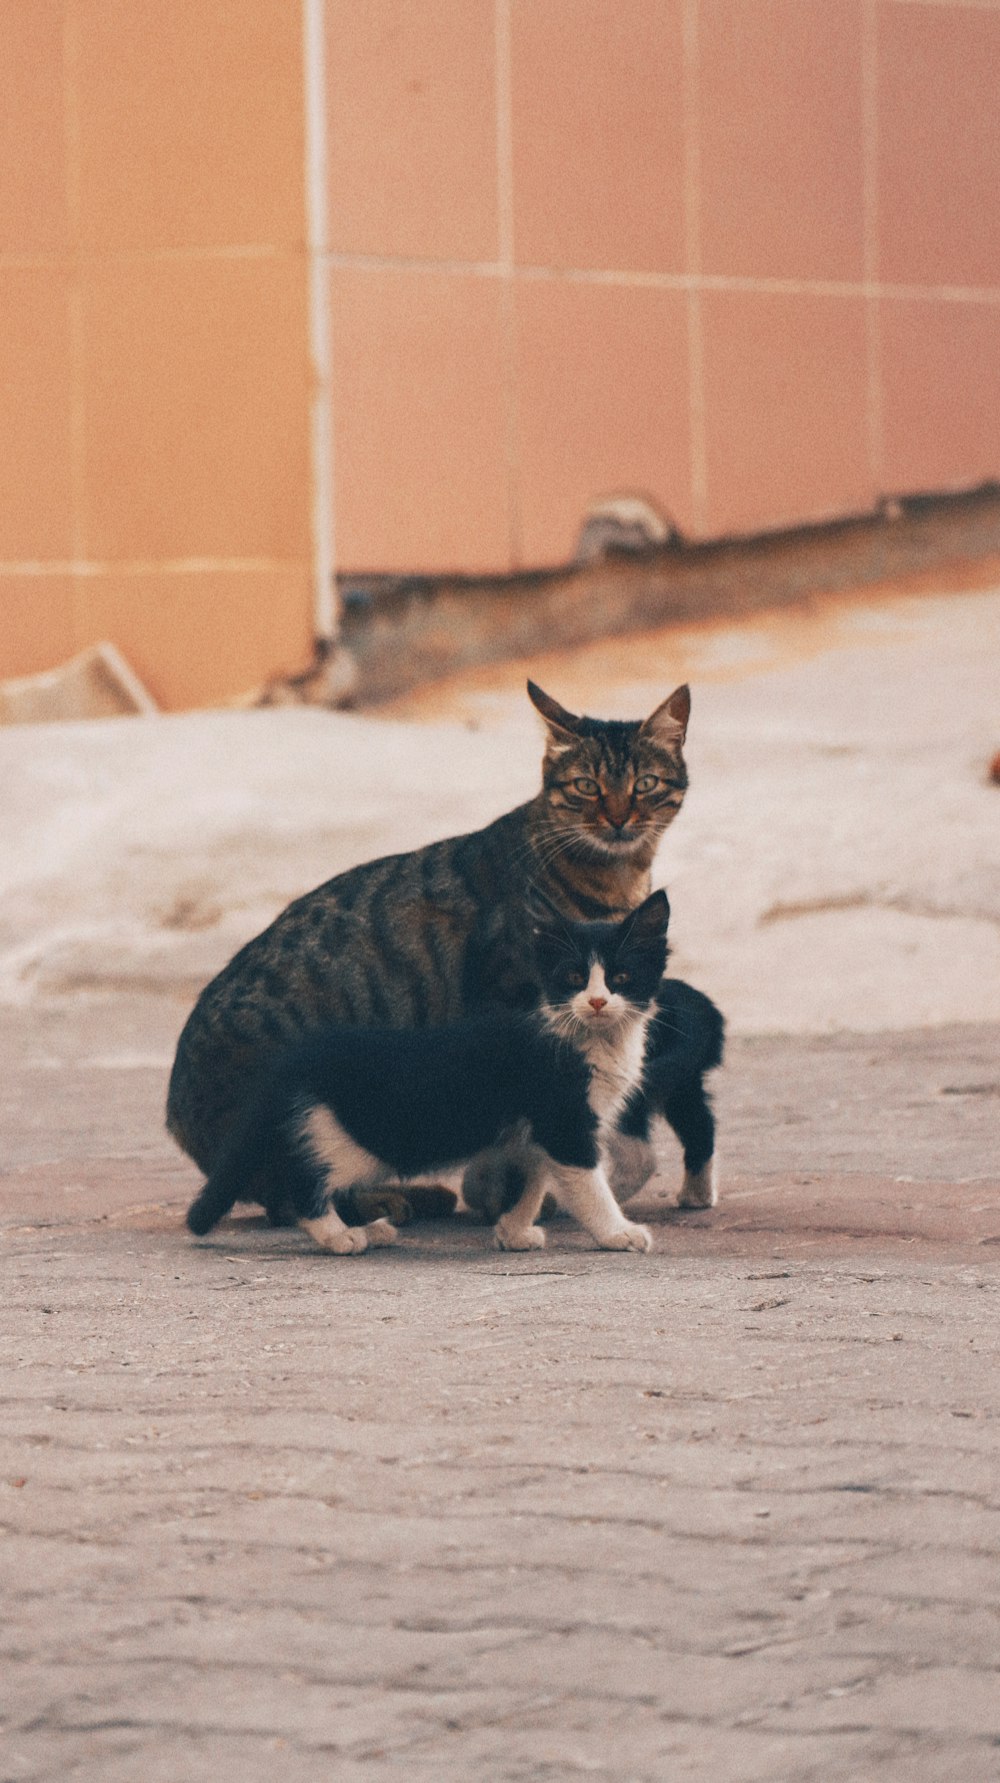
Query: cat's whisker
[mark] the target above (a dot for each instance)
(557, 849)
(563, 842)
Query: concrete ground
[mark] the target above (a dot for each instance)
(729, 1511)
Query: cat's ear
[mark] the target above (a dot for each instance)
(668, 724)
(561, 723)
(648, 922)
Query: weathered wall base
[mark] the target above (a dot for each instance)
(406, 631)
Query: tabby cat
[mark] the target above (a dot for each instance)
(425, 938)
(347, 1106)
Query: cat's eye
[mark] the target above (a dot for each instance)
(587, 786)
(617, 979)
(647, 782)
(575, 978)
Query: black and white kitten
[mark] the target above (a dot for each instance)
(356, 1105)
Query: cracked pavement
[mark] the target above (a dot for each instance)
(727, 1512)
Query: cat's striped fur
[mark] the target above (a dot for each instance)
(426, 937)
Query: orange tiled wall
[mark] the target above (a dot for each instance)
(154, 465)
(739, 256)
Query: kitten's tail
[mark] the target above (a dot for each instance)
(235, 1170)
(218, 1195)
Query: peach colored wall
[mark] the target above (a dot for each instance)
(739, 256)
(154, 364)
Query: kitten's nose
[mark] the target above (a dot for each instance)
(597, 1004)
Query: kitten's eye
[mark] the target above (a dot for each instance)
(587, 786)
(575, 978)
(617, 979)
(647, 782)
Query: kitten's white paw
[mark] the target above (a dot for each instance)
(381, 1232)
(331, 1234)
(509, 1236)
(699, 1187)
(629, 1237)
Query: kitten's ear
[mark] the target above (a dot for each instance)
(649, 921)
(668, 724)
(560, 722)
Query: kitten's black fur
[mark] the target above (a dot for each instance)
(420, 1099)
(685, 1041)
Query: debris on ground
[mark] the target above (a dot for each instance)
(96, 684)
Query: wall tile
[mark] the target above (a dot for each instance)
(602, 406)
(785, 409)
(941, 394)
(35, 479)
(939, 145)
(33, 214)
(781, 138)
(597, 134)
(419, 421)
(197, 639)
(412, 128)
(196, 409)
(191, 123)
(36, 623)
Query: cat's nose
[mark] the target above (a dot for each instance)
(597, 1004)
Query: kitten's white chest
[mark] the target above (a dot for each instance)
(615, 1071)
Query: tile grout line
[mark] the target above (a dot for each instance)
(143, 256)
(74, 208)
(986, 295)
(81, 567)
(873, 308)
(954, 5)
(504, 138)
(505, 244)
(320, 344)
(693, 283)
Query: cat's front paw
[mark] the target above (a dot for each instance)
(380, 1231)
(330, 1233)
(699, 1187)
(508, 1235)
(629, 1237)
